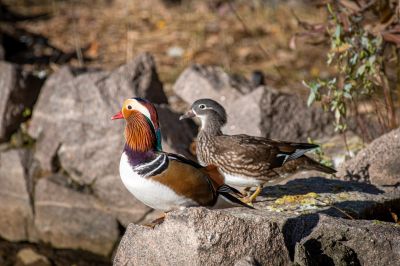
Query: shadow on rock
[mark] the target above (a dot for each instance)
(297, 228)
(319, 185)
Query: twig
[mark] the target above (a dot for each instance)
(77, 40)
(367, 6)
(336, 208)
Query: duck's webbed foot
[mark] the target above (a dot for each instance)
(250, 199)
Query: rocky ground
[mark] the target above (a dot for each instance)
(62, 201)
(62, 187)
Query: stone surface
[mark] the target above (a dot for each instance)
(66, 218)
(287, 116)
(198, 236)
(71, 121)
(15, 208)
(378, 163)
(120, 203)
(177, 135)
(19, 92)
(260, 111)
(200, 81)
(291, 211)
(346, 242)
(28, 257)
(43, 127)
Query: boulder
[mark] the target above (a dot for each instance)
(347, 242)
(119, 201)
(66, 218)
(71, 121)
(197, 236)
(16, 213)
(287, 116)
(285, 215)
(200, 81)
(20, 90)
(378, 163)
(177, 135)
(28, 257)
(43, 127)
(260, 111)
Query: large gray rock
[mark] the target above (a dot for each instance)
(198, 236)
(347, 242)
(71, 121)
(19, 92)
(119, 201)
(258, 111)
(378, 163)
(287, 116)
(290, 211)
(16, 213)
(177, 135)
(66, 218)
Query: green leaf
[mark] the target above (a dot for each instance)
(354, 59)
(347, 87)
(311, 99)
(337, 34)
(361, 70)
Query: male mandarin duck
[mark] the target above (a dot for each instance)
(246, 161)
(161, 180)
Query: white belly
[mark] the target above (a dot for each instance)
(241, 181)
(151, 193)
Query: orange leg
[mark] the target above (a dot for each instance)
(249, 200)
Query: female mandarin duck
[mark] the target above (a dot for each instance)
(246, 161)
(161, 180)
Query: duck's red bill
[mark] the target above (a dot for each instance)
(117, 116)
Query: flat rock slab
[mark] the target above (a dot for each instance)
(66, 218)
(197, 236)
(308, 192)
(15, 207)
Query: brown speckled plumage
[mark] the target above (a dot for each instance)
(243, 155)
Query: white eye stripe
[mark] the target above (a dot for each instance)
(136, 105)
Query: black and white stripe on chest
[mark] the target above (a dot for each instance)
(154, 167)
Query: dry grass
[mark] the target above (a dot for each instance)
(118, 30)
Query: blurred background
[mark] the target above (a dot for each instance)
(240, 36)
(324, 71)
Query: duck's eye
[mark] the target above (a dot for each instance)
(129, 107)
(202, 106)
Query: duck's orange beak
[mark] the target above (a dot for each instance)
(118, 115)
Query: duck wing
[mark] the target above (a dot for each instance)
(254, 156)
